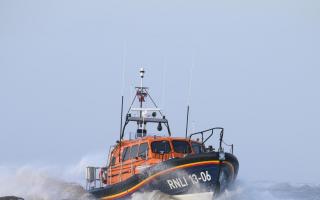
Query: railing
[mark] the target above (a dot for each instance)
(211, 132)
(93, 178)
(229, 145)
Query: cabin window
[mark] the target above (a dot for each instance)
(134, 151)
(181, 146)
(143, 150)
(126, 154)
(197, 148)
(161, 147)
(113, 161)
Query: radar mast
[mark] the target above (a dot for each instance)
(144, 115)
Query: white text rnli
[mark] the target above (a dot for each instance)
(181, 182)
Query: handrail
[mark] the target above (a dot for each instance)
(92, 177)
(229, 145)
(203, 141)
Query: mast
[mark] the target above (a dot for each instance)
(141, 127)
(141, 99)
(144, 115)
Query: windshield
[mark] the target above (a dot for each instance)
(126, 154)
(143, 150)
(134, 151)
(161, 147)
(181, 146)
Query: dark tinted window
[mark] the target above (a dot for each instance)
(197, 148)
(160, 147)
(113, 161)
(134, 151)
(181, 146)
(126, 154)
(143, 150)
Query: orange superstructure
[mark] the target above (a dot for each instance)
(137, 154)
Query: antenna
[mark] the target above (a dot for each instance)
(124, 54)
(187, 124)
(121, 117)
(189, 95)
(122, 91)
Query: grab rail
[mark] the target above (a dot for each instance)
(229, 145)
(211, 132)
(92, 177)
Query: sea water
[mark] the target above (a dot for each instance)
(66, 183)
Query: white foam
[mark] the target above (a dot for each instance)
(34, 182)
(52, 182)
(262, 190)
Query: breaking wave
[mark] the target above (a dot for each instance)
(37, 184)
(67, 183)
(33, 182)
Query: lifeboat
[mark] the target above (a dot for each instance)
(146, 161)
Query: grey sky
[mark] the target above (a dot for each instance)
(256, 74)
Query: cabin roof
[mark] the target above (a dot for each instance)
(152, 138)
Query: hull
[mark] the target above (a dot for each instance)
(201, 173)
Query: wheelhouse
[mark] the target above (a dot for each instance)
(137, 154)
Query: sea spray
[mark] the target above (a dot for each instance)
(36, 184)
(266, 190)
(154, 195)
(253, 190)
(50, 182)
